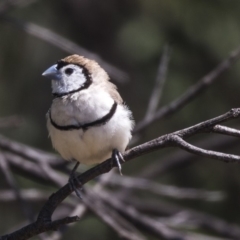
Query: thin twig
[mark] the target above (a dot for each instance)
(177, 160)
(26, 168)
(159, 83)
(192, 92)
(165, 190)
(153, 225)
(123, 227)
(149, 224)
(12, 183)
(30, 153)
(226, 131)
(27, 231)
(200, 219)
(183, 220)
(180, 159)
(65, 44)
(204, 153)
(32, 195)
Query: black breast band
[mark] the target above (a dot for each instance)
(101, 121)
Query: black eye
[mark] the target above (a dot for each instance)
(69, 71)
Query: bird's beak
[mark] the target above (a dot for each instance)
(52, 73)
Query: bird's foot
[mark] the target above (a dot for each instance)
(117, 157)
(74, 183)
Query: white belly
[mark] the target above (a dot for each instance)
(95, 144)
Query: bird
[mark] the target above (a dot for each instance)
(88, 122)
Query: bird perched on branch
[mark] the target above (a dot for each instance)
(88, 121)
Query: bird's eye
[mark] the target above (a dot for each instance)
(69, 71)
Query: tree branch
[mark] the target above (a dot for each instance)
(65, 44)
(165, 190)
(159, 83)
(226, 131)
(202, 220)
(109, 215)
(191, 92)
(44, 221)
(13, 185)
(204, 153)
(181, 159)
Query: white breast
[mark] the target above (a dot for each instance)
(96, 144)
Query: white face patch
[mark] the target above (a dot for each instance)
(72, 77)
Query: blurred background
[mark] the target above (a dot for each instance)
(128, 39)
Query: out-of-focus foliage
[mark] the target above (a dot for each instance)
(131, 35)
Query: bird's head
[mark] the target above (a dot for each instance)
(73, 73)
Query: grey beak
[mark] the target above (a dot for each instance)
(52, 73)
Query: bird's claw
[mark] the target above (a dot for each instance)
(118, 157)
(75, 184)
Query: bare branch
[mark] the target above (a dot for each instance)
(65, 44)
(10, 180)
(204, 153)
(27, 168)
(44, 218)
(30, 153)
(226, 131)
(178, 159)
(191, 92)
(37, 228)
(209, 124)
(27, 194)
(123, 227)
(165, 190)
(149, 224)
(199, 219)
(181, 159)
(165, 140)
(159, 83)
(184, 220)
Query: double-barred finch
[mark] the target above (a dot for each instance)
(88, 121)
